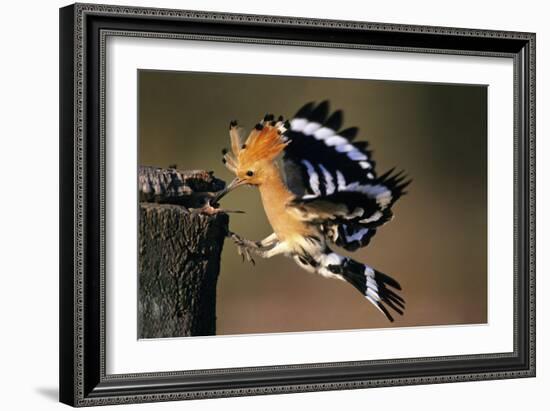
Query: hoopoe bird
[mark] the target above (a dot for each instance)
(324, 191)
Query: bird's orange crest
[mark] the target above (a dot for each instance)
(264, 143)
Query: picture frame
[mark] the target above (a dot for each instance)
(84, 380)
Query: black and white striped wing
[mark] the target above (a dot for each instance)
(351, 216)
(322, 158)
(335, 180)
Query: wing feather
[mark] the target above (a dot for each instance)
(334, 178)
(330, 155)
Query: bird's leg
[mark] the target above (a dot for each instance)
(262, 245)
(263, 248)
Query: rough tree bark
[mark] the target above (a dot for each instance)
(179, 253)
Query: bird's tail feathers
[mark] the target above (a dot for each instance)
(375, 286)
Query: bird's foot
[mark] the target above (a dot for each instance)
(244, 247)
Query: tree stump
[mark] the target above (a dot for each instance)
(179, 253)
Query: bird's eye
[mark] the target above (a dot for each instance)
(250, 173)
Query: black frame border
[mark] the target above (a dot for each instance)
(83, 30)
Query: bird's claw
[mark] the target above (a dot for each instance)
(243, 248)
(245, 254)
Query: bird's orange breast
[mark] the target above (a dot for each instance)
(275, 196)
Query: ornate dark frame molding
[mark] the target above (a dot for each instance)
(83, 32)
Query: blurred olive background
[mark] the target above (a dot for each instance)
(436, 245)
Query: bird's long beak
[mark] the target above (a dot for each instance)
(230, 187)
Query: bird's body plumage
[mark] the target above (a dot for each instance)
(275, 199)
(325, 192)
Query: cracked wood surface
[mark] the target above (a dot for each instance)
(179, 253)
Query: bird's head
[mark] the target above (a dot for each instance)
(251, 160)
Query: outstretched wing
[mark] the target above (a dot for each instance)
(335, 180)
(321, 157)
